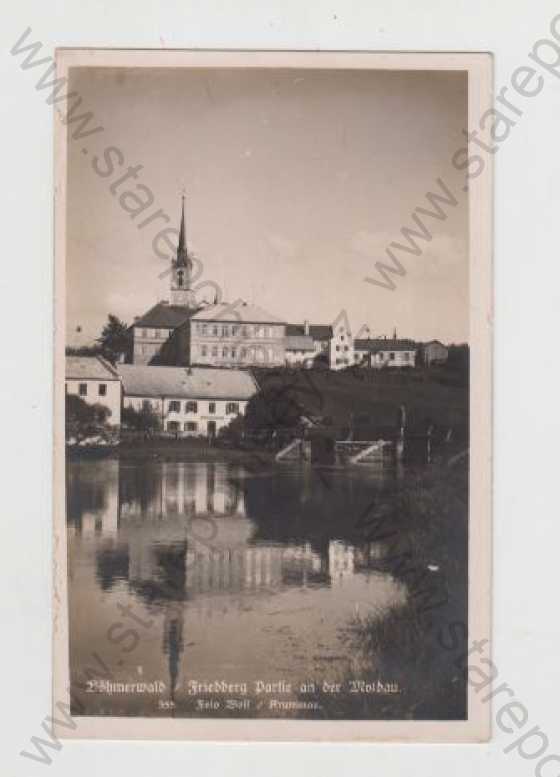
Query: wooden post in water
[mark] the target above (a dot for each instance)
(399, 444)
(429, 443)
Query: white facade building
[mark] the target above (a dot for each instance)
(234, 335)
(96, 381)
(189, 401)
(341, 348)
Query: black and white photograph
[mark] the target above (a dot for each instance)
(273, 392)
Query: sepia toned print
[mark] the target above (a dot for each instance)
(272, 367)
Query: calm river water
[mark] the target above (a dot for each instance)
(201, 589)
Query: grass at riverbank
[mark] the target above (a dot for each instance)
(412, 655)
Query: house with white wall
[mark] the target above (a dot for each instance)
(385, 352)
(341, 345)
(96, 381)
(189, 401)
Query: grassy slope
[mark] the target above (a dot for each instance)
(435, 396)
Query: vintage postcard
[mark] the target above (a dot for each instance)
(272, 513)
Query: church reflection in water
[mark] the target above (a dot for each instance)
(182, 535)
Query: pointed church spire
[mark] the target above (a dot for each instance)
(181, 292)
(182, 247)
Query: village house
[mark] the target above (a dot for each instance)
(434, 352)
(385, 352)
(341, 346)
(307, 344)
(95, 381)
(188, 401)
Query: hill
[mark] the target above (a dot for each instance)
(367, 399)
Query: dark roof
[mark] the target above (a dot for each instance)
(164, 315)
(316, 331)
(373, 345)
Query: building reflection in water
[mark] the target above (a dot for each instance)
(185, 532)
(186, 526)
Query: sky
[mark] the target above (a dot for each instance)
(296, 181)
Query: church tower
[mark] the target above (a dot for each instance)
(182, 266)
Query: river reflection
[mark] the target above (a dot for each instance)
(203, 572)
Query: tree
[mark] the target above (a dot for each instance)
(143, 420)
(458, 362)
(275, 407)
(84, 421)
(115, 339)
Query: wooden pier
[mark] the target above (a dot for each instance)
(323, 444)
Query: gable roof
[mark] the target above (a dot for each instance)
(165, 316)
(316, 331)
(186, 383)
(89, 368)
(236, 312)
(298, 343)
(373, 345)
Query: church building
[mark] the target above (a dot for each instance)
(154, 329)
(186, 332)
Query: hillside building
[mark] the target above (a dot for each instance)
(307, 345)
(341, 346)
(385, 352)
(434, 352)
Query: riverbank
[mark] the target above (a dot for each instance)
(172, 450)
(425, 541)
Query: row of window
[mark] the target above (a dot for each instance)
(156, 334)
(174, 406)
(259, 354)
(380, 356)
(238, 330)
(175, 426)
(101, 389)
